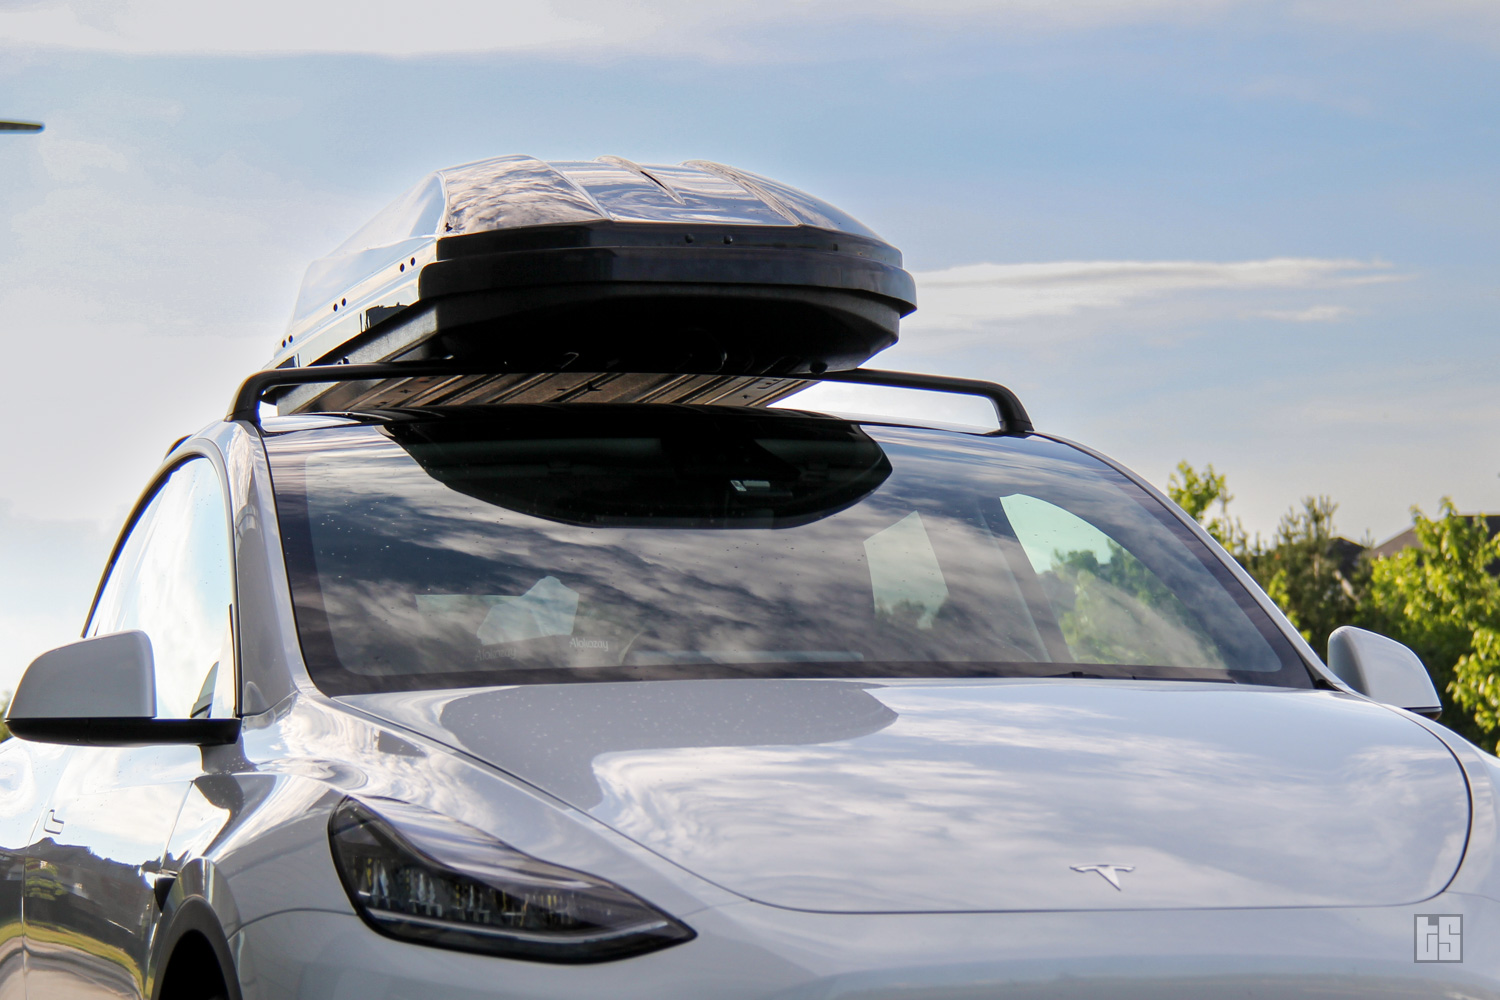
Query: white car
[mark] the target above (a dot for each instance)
(686, 699)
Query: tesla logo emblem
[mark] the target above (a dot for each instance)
(1110, 873)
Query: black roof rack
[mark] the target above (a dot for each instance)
(246, 406)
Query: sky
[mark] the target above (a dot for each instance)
(1258, 234)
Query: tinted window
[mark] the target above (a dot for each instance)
(172, 579)
(611, 542)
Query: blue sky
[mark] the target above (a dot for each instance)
(1259, 234)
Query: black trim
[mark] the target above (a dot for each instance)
(99, 732)
(1013, 416)
(670, 265)
(346, 683)
(1014, 419)
(706, 239)
(574, 322)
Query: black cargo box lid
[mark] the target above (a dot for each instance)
(604, 265)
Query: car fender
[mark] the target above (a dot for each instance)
(189, 910)
(1478, 873)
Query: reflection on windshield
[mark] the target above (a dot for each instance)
(545, 544)
(1112, 608)
(653, 466)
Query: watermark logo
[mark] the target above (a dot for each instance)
(1439, 937)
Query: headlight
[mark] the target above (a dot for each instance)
(416, 875)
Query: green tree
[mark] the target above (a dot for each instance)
(1306, 569)
(1440, 598)
(1198, 493)
(1308, 576)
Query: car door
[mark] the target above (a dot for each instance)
(89, 906)
(28, 773)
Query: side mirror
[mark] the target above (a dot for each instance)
(1383, 669)
(102, 692)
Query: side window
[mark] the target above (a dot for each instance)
(172, 580)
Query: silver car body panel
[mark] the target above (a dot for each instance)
(246, 862)
(748, 952)
(915, 796)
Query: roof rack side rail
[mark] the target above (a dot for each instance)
(246, 405)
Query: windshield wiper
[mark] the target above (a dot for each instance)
(1089, 675)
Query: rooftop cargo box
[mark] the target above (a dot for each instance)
(719, 285)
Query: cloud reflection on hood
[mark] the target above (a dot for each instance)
(983, 795)
(983, 798)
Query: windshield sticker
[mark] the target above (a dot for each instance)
(546, 609)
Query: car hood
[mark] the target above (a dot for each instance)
(930, 796)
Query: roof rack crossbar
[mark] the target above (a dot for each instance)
(246, 406)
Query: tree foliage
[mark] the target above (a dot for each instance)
(1198, 493)
(1306, 574)
(1441, 596)
(1306, 567)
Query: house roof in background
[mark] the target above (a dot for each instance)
(1408, 538)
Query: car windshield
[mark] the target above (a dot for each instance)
(581, 542)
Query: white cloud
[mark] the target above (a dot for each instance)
(1070, 296)
(1312, 314)
(710, 30)
(370, 26)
